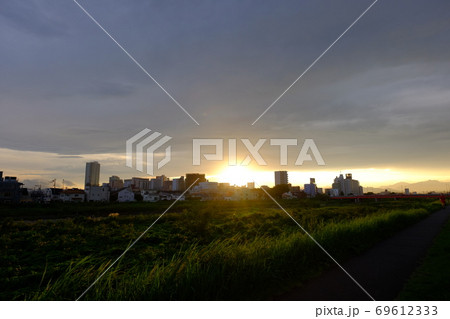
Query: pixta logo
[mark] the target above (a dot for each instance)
(148, 142)
(253, 151)
(144, 142)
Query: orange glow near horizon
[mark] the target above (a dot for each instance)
(236, 175)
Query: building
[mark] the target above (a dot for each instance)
(207, 187)
(73, 195)
(251, 185)
(92, 175)
(178, 184)
(127, 182)
(97, 194)
(115, 183)
(347, 186)
(192, 177)
(311, 189)
(167, 186)
(52, 194)
(125, 195)
(157, 183)
(10, 189)
(281, 177)
(296, 191)
(149, 196)
(139, 183)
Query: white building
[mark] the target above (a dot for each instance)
(149, 196)
(72, 195)
(178, 184)
(125, 195)
(97, 194)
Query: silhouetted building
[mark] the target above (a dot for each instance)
(347, 186)
(281, 177)
(10, 189)
(311, 188)
(157, 183)
(191, 177)
(92, 175)
(115, 183)
(139, 183)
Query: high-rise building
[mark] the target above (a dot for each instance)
(347, 186)
(10, 189)
(178, 184)
(311, 188)
(157, 183)
(191, 177)
(281, 177)
(140, 183)
(115, 183)
(92, 175)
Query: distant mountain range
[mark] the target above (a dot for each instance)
(419, 187)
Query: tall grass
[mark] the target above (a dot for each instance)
(235, 268)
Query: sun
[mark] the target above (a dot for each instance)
(236, 175)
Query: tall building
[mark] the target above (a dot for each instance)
(10, 189)
(115, 183)
(157, 183)
(347, 186)
(178, 184)
(191, 177)
(139, 183)
(92, 175)
(281, 177)
(311, 188)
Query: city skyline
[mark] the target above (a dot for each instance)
(293, 178)
(376, 104)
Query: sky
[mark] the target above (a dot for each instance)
(377, 104)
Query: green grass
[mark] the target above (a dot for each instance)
(431, 280)
(199, 251)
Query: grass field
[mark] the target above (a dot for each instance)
(197, 251)
(431, 279)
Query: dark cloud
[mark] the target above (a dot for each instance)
(70, 156)
(33, 17)
(68, 89)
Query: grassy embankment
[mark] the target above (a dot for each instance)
(201, 251)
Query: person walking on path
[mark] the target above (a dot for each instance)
(442, 199)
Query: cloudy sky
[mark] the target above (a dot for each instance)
(376, 104)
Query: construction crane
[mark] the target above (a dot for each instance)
(54, 182)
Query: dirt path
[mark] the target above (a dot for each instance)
(382, 270)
